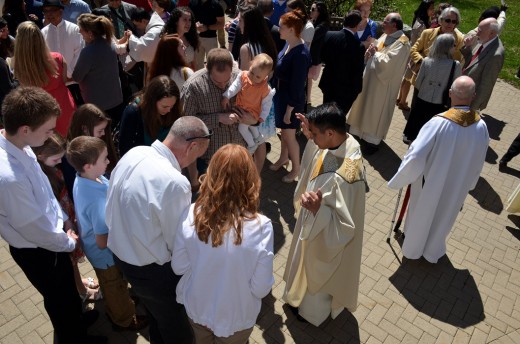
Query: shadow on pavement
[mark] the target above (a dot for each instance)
(343, 329)
(384, 161)
(514, 231)
(440, 291)
(269, 322)
(487, 197)
(491, 156)
(495, 126)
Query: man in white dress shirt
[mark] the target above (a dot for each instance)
(31, 219)
(148, 199)
(63, 37)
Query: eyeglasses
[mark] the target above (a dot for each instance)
(207, 136)
(451, 21)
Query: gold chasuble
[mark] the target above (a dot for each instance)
(322, 272)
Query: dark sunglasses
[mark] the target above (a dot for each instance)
(450, 21)
(207, 136)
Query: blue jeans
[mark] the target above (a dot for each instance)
(155, 285)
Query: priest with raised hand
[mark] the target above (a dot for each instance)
(323, 267)
(443, 164)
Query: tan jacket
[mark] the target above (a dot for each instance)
(421, 48)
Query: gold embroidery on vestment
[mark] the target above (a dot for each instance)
(461, 117)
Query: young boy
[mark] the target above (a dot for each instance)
(253, 95)
(31, 220)
(88, 155)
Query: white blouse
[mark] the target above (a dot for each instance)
(222, 287)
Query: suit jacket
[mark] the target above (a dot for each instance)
(422, 47)
(343, 56)
(128, 10)
(489, 60)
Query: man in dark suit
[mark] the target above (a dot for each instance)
(120, 14)
(267, 8)
(343, 56)
(484, 62)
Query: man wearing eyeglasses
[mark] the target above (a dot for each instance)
(147, 200)
(484, 61)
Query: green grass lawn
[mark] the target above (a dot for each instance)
(470, 12)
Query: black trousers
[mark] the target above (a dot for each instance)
(52, 275)
(513, 150)
(155, 285)
(344, 101)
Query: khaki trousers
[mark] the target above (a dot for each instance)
(118, 304)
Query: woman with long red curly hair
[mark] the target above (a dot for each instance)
(224, 251)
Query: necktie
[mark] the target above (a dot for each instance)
(120, 24)
(474, 57)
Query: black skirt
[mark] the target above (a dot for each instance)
(421, 112)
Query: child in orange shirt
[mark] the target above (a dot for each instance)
(254, 95)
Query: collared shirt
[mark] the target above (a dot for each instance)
(489, 42)
(72, 11)
(66, 40)
(143, 48)
(30, 215)
(148, 198)
(202, 98)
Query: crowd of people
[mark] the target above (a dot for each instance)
(131, 109)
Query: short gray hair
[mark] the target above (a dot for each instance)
(442, 46)
(494, 27)
(188, 126)
(450, 10)
(463, 87)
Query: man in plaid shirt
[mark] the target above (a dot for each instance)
(202, 95)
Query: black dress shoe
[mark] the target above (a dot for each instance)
(502, 165)
(370, 148)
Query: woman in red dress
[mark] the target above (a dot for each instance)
(35, 65)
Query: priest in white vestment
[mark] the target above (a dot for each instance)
(372, 112)
(322, 271)
(443, 164)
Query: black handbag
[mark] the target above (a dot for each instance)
(446, 100)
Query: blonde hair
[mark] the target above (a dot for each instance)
(229, 194)
(263, 62)
(99, 26)
(33, 62)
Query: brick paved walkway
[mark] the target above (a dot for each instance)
(470, 296)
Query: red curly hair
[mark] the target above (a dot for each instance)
(229, 194)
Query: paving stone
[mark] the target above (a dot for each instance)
(470, 296)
